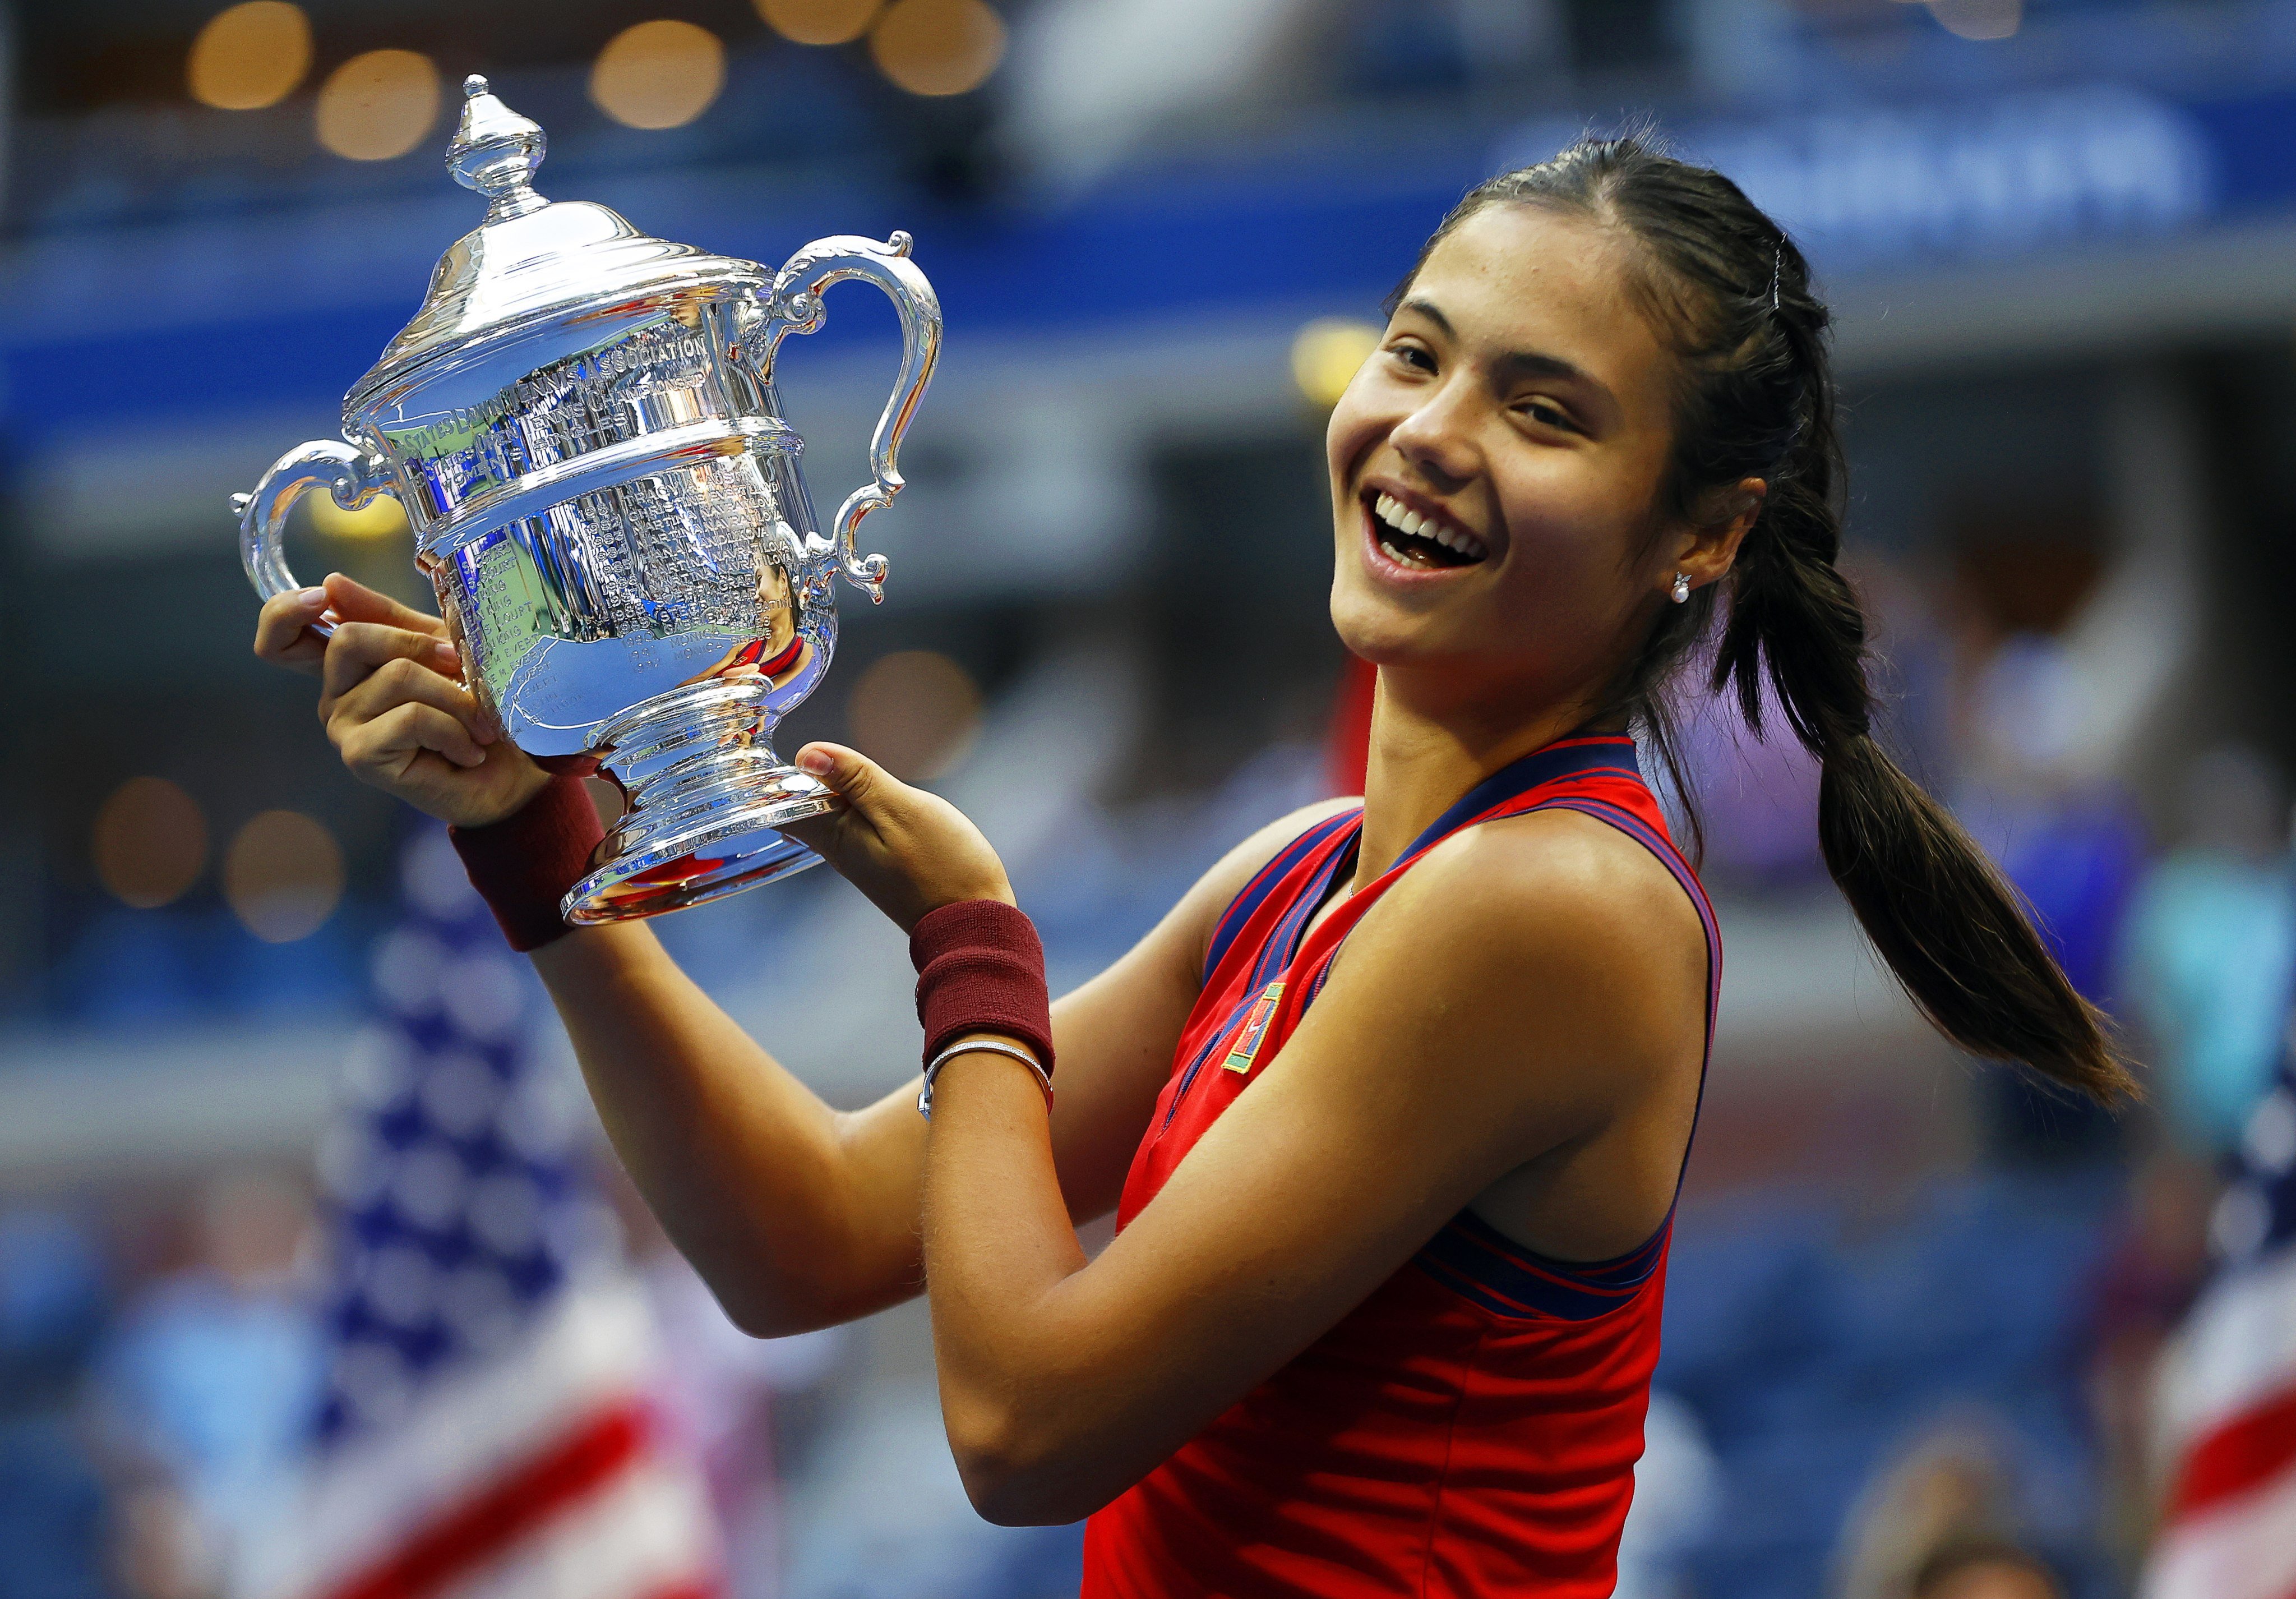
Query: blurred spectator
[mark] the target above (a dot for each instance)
(2073, 846)
(2071, 843)
(52, 1302)
(2211, 948)
(52, 1510)
(159, 1549)
(2151, 1276)
(1984, 1569)
(208, 1386)
(1952, 1485)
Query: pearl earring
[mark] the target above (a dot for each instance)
(1681, 591)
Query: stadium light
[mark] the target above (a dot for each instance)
(249, 56)
(659, 74)
(378, 106)
(149, 843)
(282, 875)
(916, 713)
(379, 518)
(937, 47)
(1325, 355)
(819, 21)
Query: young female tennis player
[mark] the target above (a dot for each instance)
(1392, 1106)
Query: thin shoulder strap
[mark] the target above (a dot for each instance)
(1263, 882)
(1660, 846)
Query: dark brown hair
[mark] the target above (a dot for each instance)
(1731, 293)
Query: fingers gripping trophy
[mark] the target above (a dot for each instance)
(583, 426)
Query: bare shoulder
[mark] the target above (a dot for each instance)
(1552, 925)
(1556, 872)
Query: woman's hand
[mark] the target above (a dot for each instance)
(909, 851)
(392, 700)
(284, 634)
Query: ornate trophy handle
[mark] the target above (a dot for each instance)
(795, 306)
(355, 478)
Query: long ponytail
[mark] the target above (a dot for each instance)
(1939, 913)
(1733, 294)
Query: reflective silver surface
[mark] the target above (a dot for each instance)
(582, 425)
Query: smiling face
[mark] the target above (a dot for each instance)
(1496, 466)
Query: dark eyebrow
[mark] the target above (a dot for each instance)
(1519, 363)
(1426, 307)
(1599, 407)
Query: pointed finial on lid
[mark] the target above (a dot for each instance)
(496, 152)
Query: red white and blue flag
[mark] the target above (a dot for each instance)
(488, 1428)
(2228, 1388)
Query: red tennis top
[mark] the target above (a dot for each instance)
(1473, 1426)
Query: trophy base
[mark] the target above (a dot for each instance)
(707, 797)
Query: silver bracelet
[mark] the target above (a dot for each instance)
(932, 1069)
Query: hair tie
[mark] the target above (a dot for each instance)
(1777, 255)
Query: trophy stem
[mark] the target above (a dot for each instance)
(706, 797)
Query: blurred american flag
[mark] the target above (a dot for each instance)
(2227, 1393)
(487, 1428)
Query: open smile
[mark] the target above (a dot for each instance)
(1420, 540)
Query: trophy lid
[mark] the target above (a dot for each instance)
(531, 261)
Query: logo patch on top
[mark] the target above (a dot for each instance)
(1254, 1029)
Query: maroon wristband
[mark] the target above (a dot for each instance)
(980, 968)
(523, 865)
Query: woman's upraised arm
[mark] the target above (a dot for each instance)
(798, 1216)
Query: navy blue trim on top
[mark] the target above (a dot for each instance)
(1626, 821)
(1478, 1262)
(1282, 943)
(1566, 758)
(1283, 940)
(1474, 1259)
(1569, 758)
(1263, 882)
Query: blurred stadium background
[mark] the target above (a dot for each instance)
(1911, 1302)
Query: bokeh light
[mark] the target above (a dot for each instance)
(378, 106)
(379, 518)
(249, 56)
(1979, 19)
(282, 875)
(938, 46)
(820, 22)
(659, 74)
(1327, 353)
(915, 712)
(150, 841)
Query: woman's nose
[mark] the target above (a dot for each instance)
(1436, 439)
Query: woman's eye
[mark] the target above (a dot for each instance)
(1544, 414)
(1413, 356)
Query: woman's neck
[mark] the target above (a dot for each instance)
(1426, 753)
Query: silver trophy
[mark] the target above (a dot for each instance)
(582, 425)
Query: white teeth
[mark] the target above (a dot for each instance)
(1396, 515)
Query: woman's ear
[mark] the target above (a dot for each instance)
(1709, 545)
